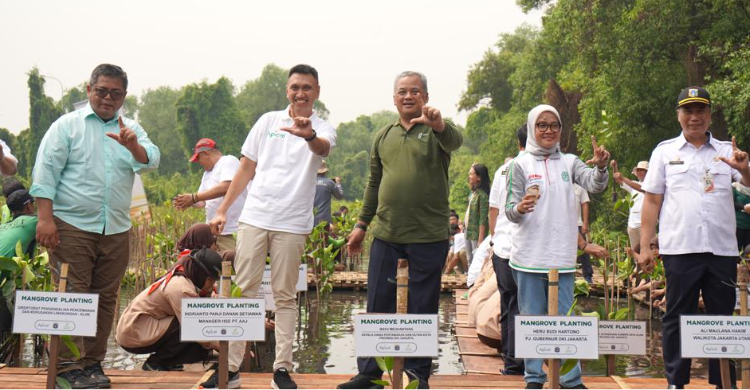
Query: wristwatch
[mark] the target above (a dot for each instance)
(361, 226)
(312, 137)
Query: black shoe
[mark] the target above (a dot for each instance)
(675, 386)
(149, 366)
(360, 382)
(233, 382)
(423, 384)
(282, 380)
(96, 373)
(509, 372)
(578, 386)
(534, 385)
(76, 379)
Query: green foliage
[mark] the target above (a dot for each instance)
(42, 112)
(157, 114)
(386, 365)
(62, 383)
(72, 96)
(209, 111)
(68, 342)
(567, 366)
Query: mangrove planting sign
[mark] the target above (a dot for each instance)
(223, 319)
(622, 337)
(715, 336)
(397, 335)
(557, 337)
(55, 313)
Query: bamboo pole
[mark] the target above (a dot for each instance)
(553, 364)
(54, 343)
(743, 278)
(226, 292)
(402, 300)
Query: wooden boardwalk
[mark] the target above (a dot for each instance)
(35, 378)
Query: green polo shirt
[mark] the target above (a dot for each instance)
(21, 229)
(408, 185)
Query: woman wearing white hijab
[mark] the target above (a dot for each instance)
(541, 200)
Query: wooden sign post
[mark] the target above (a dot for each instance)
(402, 300)
(553, 364)
(743, 277)
(54, 340)
(226, 292)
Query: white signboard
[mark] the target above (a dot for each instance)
(737, 304)
(266, 292)
(396, 335)
(55, 313)
(557, 337)
(715, 336)
(223, 319)
(622, 337)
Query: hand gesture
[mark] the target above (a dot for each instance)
(126, 138)
(527, 203)
(601, 155)
(354, 241)
(218, 223)
(302, 126)
(183, 201)
(596, 251)
(739, 160)
(616, 172)
(430, 117)
(337, 180)
(645, 261)
(46, 234)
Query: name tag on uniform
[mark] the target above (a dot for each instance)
(676, 162)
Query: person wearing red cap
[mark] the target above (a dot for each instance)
(219, 170)
(283, 151)
(688, 188)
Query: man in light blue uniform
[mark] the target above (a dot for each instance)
(82, 182)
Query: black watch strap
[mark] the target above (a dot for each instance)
(312, 137)
(361, 226)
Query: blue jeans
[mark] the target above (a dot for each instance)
(532, 300)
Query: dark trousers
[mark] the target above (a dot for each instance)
(426, 262)
(508, 311)
(687, 276)
(585, 261)
(168, 350)
(743, 238)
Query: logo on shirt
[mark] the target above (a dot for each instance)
(276, 134)
(534, 178)
(565, 176)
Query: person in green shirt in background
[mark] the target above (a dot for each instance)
(408, 192)
(741, 195)
(22, 227)
(10, 186)
(477, 212)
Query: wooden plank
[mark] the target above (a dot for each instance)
(466, 332)
(620, 382)
(467, 345)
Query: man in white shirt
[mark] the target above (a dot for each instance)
(636, 194)
(218, 173)
(8, 162)
(689, 189)
(283, 153)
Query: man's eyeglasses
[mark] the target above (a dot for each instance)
(115, 94)
(553, 127)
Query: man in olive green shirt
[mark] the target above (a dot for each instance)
(408, 192)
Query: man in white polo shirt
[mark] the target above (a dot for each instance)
(689, 189)
(218, 173)
(283, 153)
(8, 162)
(636, 194)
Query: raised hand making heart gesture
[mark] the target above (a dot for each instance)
(601, 155)
(430, 116)
(302, 126)
(126, 138)
(739, 160)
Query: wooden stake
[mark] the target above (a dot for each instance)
(743, 277)
(226, 292)
(402, 300)
(553, 364)
(54, 343)
(725, 378)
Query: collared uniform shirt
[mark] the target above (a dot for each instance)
(281, 197)
(634, 217)
(87, 175)
(408, 185)
(693, 220)
(501, 240)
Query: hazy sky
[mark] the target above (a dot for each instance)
(358, 47)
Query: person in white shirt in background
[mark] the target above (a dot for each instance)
(283, 153)
(8, 162)
(219, 170)
(582, 209)
(636, 194)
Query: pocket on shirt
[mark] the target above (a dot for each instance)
(678, 177)
(722, 174)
